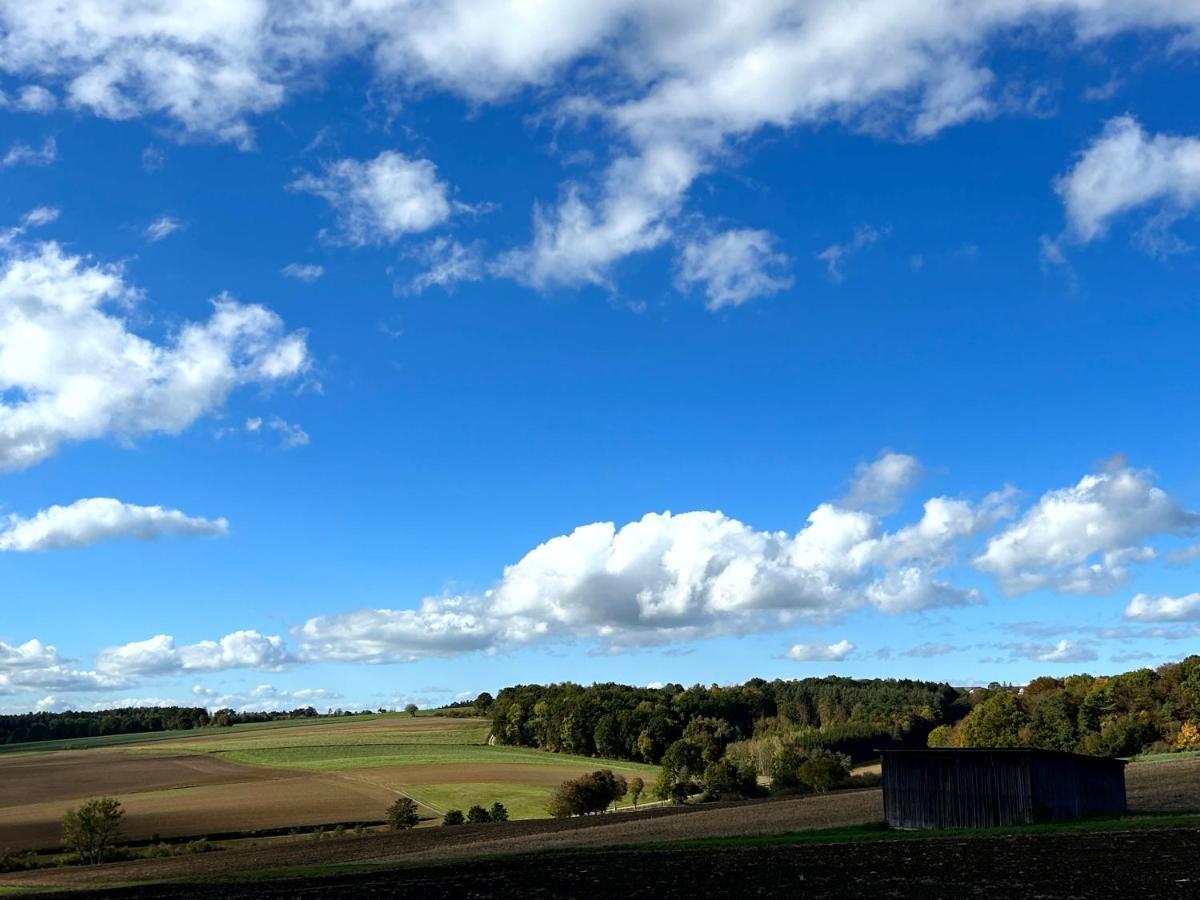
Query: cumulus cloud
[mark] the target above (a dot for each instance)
(820, 652)
(87, 522)
(162, 227)
(306, 272)
(160, 655)
(71, 370)
(680, 576)
(1144, 608)
(1125, 169)
(733, 266)
(881, 485)
(263, 698)
(1082, 539)
(383, 199)
(34, 666)
(22, 154)
(33, 98)
(835, 255)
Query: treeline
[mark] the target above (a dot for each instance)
(1143, 711)
(844, 715)
(49, 726)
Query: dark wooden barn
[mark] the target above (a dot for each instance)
(979, 788)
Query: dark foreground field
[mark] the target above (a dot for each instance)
(1146, 864)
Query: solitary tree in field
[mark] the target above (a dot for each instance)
(636, 787)
(453, 817)
(402, 814)
(498, 812)
(93, 829)
(411, 709)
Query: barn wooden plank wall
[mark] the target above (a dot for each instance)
(987, 788)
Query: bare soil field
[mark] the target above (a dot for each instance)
(1148, 864)
(173, 795)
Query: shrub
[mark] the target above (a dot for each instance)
(402, 815)
(498, 812)
(453, 817)
(823, 771)
(636, 788)
(93, 829)
(477, 815)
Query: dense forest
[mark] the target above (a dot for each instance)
(755, 725)
(44, 726)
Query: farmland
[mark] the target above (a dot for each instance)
(287, 776)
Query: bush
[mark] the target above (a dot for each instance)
(477, 815)
(14, 861)
(823, 771)
(402, 815)
(498, 812)
(453, 817)
(785, 770)
(93, 829)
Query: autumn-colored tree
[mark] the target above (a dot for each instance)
(402, 814)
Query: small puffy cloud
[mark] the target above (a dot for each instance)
(733, 266)
(1144, 608)
(383, 199)
(438, 628)
(1063, 651)
(835, 255)
(881, 485)
(306, 272)
(929, 650)
(40, 215)
(35, 99)
(90, 521)
(160, 655)
(71, 370)
(1125, 169)
(1082, 539)
(290, 435)
(162, 227)
(820, 652)
(22, 154)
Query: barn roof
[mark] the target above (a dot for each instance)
(1028, 751)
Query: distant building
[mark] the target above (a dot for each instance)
(980, 788)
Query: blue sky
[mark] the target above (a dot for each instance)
(357, 356)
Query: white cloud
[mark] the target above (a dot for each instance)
(35, 99)
(291, 436)
(929, 650)
(449, 263)
(383, 199)
(1064, 651)
(36, 667)
(22, 154)
(263, 698)
(1126, 169)
(880, 485)
(820, 652)
(87, 522)
(835, 255)
(308, 273)
(1082, 539)
(673, 577)
(70, 369)
(40, 215)
(162, 227)
(1144, 608)
(734, 266)
(159, 655)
